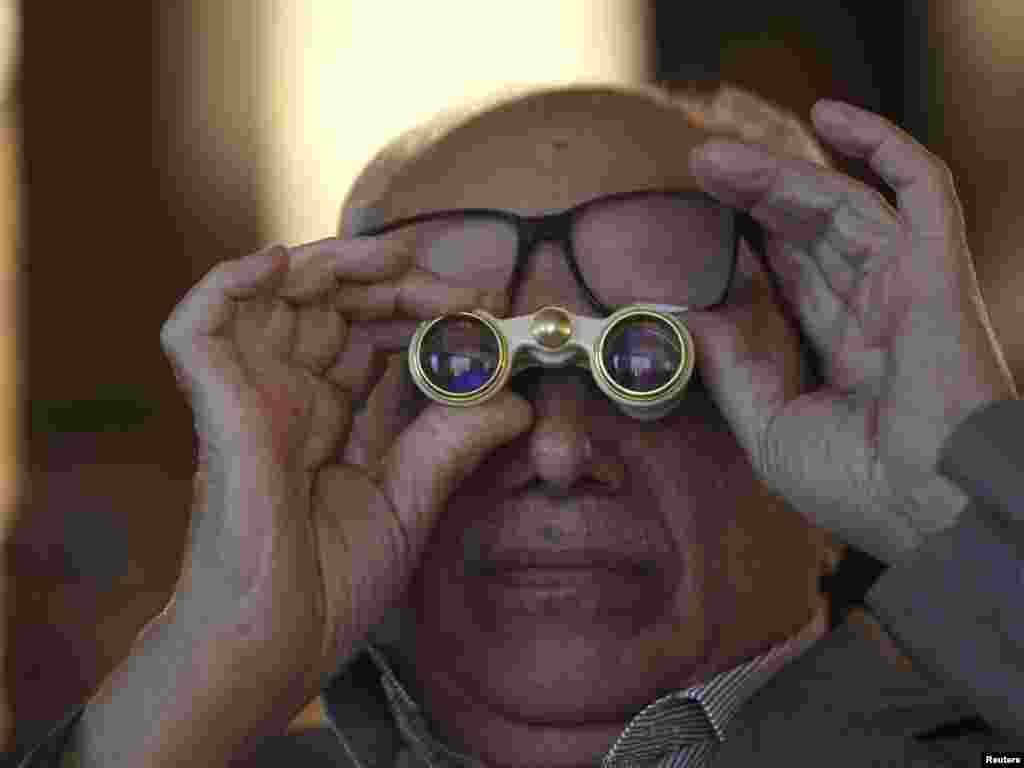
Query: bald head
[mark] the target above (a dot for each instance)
(550, 152)
(538, 150)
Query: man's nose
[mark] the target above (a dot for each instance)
(566, 404)
(561, 449)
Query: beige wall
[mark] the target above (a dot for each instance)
(10, 426)
(337, 79)
(10, 432)
(129, 199)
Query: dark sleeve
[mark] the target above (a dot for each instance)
(955, 603)
(55, 749)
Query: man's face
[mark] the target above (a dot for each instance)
(730, 569)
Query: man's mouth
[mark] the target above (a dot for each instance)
(588, 559)
(564, 586)
(533, 565)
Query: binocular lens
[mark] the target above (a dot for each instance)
(642, 354)
(642, 357)
(459, 355)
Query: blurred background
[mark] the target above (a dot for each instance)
(140, 146)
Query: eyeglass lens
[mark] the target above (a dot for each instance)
(653, 248)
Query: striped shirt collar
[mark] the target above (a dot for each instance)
(719, 698)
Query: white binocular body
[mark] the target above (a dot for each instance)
(641, 357)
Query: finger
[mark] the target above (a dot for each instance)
(922, 182)
(809, 288)
(393, 403)
(264, 328)
(442, 447)
(418, 293)
(331, 422)
(748, 354)
(797, 200)
(364, 356)
(320, 336)
(203, 361)
(207, 307)
(315, 268)
(390, 510)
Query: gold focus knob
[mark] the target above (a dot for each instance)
(551, 327)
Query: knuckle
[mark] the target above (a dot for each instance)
(170, 337)
(442, 431)
(342, 405)
(767, 461)
(409, 290)
(329, 346)
(341, 339)
(166, 333)
(220, 270)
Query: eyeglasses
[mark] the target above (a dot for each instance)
(653, 246)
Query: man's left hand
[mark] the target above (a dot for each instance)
(890, 301)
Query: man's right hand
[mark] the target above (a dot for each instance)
(290, 547)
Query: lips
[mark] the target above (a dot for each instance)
(518, 560)
(582, 533)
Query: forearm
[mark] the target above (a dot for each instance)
(185, 697)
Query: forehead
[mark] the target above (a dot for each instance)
(547, 153)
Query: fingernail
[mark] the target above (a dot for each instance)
(259, 262)
(830, 111)
(270, 253)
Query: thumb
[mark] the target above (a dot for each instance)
(381, 516)
(439, 450)
(748, 354)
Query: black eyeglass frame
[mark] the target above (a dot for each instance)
(558, 227)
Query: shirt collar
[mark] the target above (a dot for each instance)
(720, 697)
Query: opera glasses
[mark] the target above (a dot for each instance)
(641, 356)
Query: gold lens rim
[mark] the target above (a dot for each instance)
(670, 387)
(446, 396)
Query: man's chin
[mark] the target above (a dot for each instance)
(555, 674)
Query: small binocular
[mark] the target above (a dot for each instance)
(641, 356)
